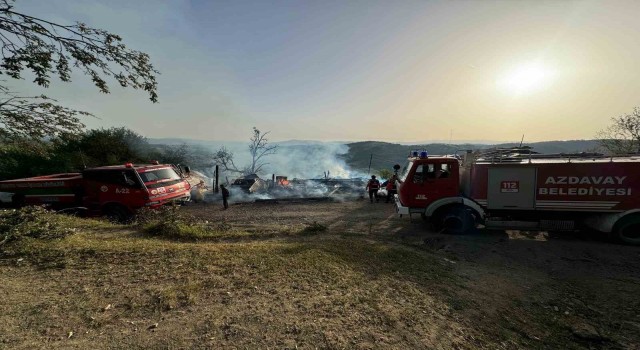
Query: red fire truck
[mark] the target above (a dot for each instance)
(115, 191)
(526, 191)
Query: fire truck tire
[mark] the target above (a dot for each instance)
(117, 213)
(627, 230)
(458, 220)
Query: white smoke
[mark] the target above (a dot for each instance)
(310, 161)
(297, 161)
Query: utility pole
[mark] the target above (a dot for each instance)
(370, 159)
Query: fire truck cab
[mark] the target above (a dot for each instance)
(514, 190)
(115, 191)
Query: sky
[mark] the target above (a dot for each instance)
(397, 71)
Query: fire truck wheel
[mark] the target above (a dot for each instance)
(458, 220)
(627, 230)
(116, 213)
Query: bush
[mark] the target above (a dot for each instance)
(32, 222)
(170, 223)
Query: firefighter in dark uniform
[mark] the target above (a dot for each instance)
(391, 188)
(373, 186)
(225, 196)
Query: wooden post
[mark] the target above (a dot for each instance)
(215, 186)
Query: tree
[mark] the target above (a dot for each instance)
(100, 147)
(184, 154)
(259, 148)
(623, 135)
(385, 173)
(46, 48)
(224, 158)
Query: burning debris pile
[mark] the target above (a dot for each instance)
(313, 170)
(280, 187)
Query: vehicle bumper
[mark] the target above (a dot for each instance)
(181, 199)
(400, 209)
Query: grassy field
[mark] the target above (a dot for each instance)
(339, 282)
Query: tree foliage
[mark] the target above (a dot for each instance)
(91, 148)
(192, 155)
(385, 173)
(111, 146)
(46, 49)
(623, 135)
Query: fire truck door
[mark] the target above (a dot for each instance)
(511, 188)
(435, 181)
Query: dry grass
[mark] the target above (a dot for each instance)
(312, 285)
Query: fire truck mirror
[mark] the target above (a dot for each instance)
(187, 170)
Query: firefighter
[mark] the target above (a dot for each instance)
(373, 186)
(225, 195)
(391, 188)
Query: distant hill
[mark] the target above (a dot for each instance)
(384, 155)
(356, 155)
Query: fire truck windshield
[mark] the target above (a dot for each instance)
(405, 171)
(165, 174)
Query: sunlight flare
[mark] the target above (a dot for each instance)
(526, 78)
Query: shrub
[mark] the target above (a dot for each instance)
(32, 222)
(170, 223)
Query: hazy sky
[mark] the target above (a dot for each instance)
(365, 70)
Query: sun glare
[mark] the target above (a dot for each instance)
(526, 78)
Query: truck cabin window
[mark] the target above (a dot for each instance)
(443, 171)
(423, 171)
(159, 175)
(431, 171)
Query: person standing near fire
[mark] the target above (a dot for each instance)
(225, 196)
(391, 188)
(373, 186)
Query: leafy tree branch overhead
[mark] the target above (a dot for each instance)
(47, 49)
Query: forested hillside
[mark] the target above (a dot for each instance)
(384, 155)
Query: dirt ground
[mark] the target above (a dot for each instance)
(327, 275)
(577, 284)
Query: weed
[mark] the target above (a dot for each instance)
(313, 228)
(176, 296)
(169, 222)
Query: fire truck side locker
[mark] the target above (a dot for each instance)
(511, 188)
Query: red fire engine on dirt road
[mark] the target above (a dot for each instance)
(515, 190)
(115, 191)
